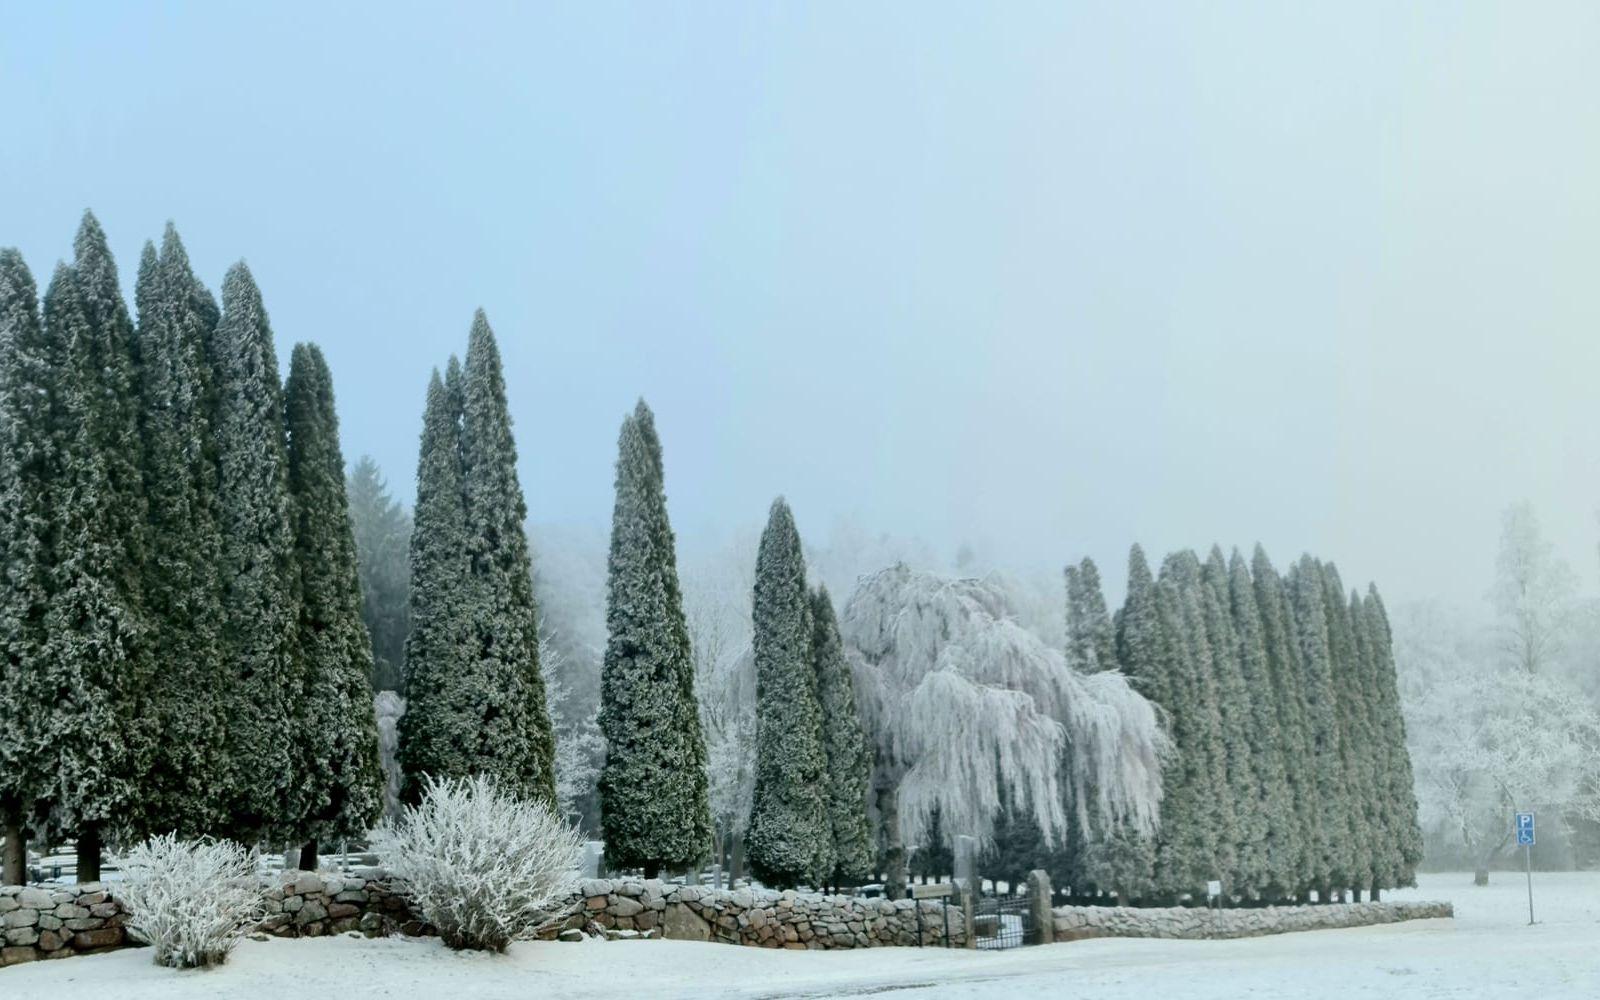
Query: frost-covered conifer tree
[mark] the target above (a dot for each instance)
(1279, 637)
(337, 746)
(260, 600)
(849, 759)
(181, 789)
(505, 622)
(1328, 829)
(383, 536)
(1246, 831)
(1350, 709)
(30, 363)
(1090, 638)
(1276, 876)
(1395, 775)
(790, 837)
(99, 742)
(442, 730)
(653, 798)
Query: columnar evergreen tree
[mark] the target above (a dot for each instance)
(1403, 833)
(505, 622)
(447, 697)
(790, 838)
(1350, 708)
(653, 796)
(179, 790)
(1278, 634)
(1246, 831)
(849, 760)
(1277, 874)
(1372, 800)
(1328, 830)
(97, 661)
(30, 363)
(1091, 641)
(339, 776)
(265, 793)
(383, 535)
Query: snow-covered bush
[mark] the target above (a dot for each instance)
(190, 899)
(479, 864)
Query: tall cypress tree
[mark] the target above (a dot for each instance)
(442, 732)
(1275, 805)
(1394, 763)
(338, 732)
(505, 623)
(1121, 861)
(790, 838)
(1279, 637)
(260, 595)
(1090, 638)
(849, 759)
(178, 792)
(30, 364)
(1329, 828)
(1350, 713)
(653, 796)
(1246, 831)
(100, 742)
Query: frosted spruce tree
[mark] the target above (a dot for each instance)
(1276, 876)
(383, 536)
(790, 836)
(653, 794)
(1350, 826)
(441, 732)
(849, 758)
(339, 776)
(179, 791)
(1090, 638)
(30, 428)
(265, 794)
(504, 620)
(99, 740)
(1246, 829)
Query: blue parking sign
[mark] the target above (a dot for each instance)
(1525, 829)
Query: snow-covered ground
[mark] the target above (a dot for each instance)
(1487, 951)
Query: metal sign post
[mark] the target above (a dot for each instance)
(1525, 839)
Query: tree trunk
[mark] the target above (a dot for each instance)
(1355, 895)
(1374, 894)
(894, 853)
(309, 861)
(652, 869)
(89, 854)
(1481, 875)
(14, 871)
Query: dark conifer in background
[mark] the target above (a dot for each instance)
(383, 538)
(849, 758)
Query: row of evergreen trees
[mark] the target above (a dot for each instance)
(1290, 772)
(181, 647)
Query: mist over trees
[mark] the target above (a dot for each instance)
(382, 528)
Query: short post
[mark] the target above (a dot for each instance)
(1043, 918)
(1524, 822)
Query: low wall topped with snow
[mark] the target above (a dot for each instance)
(1077, 923)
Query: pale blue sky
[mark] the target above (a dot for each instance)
(1045, 278)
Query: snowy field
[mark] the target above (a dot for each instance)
(1487, 951)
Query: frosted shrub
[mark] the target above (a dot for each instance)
(479, 864)
(190, 899)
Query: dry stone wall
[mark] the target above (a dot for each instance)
(1076, 923)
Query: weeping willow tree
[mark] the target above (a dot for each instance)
(949, 684)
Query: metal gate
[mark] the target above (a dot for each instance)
(1001, 921)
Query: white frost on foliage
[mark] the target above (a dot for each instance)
(479, 864)
(190, 899)
(959, 698)
(388, 706)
